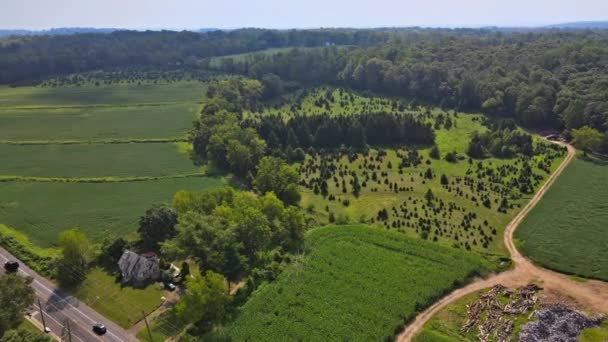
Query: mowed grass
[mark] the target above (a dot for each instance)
(568, 230)
(123, 305)
(95, 160)
(42, 210)
(355, 283)
(97, 123)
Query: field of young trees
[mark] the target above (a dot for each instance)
(355, 283)
(442, 183)
(567, 230)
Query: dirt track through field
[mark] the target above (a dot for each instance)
(592, 294)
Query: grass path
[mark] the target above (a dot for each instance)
(591, 294)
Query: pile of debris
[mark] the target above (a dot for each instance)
(557, 322)
(492, 317)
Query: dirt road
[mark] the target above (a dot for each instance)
(592, 294)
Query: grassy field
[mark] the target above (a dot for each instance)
(355, 283)
(42, 210)
(97, 122)
(123, 305)
(567, 231)
(115, 95)
(380, 195)
(95, 160)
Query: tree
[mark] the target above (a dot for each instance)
(587, 138)
(435, 152)
(16, 296)
(156, 226)
(76, 254)
(205, 299)
(274, 174)
(24, 335)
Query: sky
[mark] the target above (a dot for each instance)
(192, 14)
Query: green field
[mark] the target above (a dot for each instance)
(97, 122)
(42, 210)
(121, 94)
(95, 160)
(355, 283)
(568, 230)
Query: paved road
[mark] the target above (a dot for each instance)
(59, 307)
(592, 294)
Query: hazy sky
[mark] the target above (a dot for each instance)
(187, 14)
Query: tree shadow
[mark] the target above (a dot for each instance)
(59, 300)
(594, 158)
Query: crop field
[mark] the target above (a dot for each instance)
(215, 62)
(456, 214)
(95, 160)
(567, 231)
(43, 209)
(94, 157)
(96, 122)
(121, 94)
(355, 283)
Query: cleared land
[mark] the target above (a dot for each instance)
(42, 210)
(355, 283)
(95, 160)
(567, 231)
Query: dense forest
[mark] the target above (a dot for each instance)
(32, 57)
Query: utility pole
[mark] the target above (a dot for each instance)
(42, 315)
(147, 325)
(67, 323)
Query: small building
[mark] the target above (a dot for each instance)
(139, 269)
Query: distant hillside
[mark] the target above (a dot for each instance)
(56, 31)
(582, 25)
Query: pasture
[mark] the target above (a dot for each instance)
(42, 210)
(568, 230)
(354, 283)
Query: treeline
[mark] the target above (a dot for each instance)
(502, 140)
(352, 131)
(34, 57)
(557, 79)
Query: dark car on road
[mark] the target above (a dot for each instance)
(99, 329)
(11, 266)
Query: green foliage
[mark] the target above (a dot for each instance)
(275, 175)
(205, 299)
(587, 138)
(156, 226)
(16, 296)
(566, 230)
(24, 335)
(354, 283)
(76, 254)
(41, 260)
(225, 231)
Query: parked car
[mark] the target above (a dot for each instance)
(11, 266)
(170, 286)
(99, 329)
